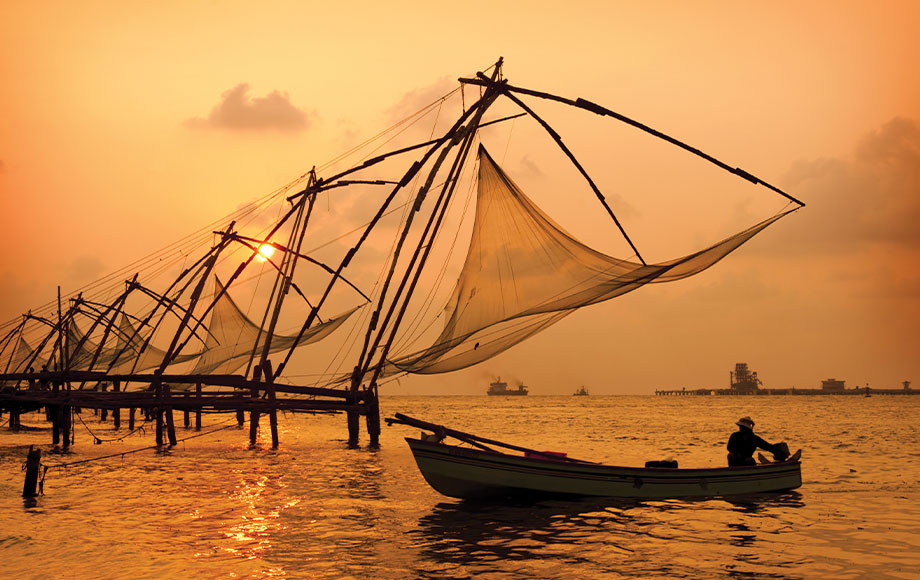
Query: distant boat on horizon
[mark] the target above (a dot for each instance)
(582, 392)
(500, 388)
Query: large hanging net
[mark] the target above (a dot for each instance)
(233, 338)
(524, 273)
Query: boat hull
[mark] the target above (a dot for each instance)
(473, 474)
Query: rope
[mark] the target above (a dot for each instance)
(98, 440)
(123, 453)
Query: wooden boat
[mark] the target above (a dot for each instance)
(582, 392)
(482, 472)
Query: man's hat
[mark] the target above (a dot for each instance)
(745, 422)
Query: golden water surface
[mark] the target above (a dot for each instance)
(212, 508)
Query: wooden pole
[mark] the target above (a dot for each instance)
(56, 418)
(131, 419)
(170, 427)
(186, 414)
(273, 410)
(158, 412)
(373, 416)
(33, 463)
(66, 419)
(103, 413)
(354, 422)
(116, 413)
(254, 413)
(198, 408)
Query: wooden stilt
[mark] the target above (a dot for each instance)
(273, 411)
(170, 427)
(14, 418)
(159, 419)
(56, 425)
(33, 464)
(373, 417)
(103, 413)
(116, 413)
(198, 408)
(253, 427)
(354, 426)
(56, 417)
(158, 390)
(254, 413)
(240, 418)
(66, 420)
(131, 418)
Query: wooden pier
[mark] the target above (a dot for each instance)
(158, 395)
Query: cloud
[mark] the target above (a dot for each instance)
(416, 100)
(238, 111)
(871, 197)
(83, 269)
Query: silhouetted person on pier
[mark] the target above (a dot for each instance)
(743, 443)
(43, 379)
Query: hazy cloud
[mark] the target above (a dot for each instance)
(870, 197)
(83, 269)
(238, 111)
(416, 100)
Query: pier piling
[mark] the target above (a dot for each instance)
(33, 463)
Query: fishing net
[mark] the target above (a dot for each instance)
(524, 273)
(233, 337)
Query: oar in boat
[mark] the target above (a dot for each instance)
(475, 440)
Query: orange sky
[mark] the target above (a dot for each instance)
(127, 125)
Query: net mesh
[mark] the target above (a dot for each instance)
(524, 273)
(233, 337)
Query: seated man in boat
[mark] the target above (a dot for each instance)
(743, 443)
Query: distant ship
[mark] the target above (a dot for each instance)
(501, 388)
(582, 392)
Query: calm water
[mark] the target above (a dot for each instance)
(212, 508)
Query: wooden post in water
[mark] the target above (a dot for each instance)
(33, 464)
(170, 427)
(158, 412)
(131, 419)
(116, 413)
(273, 411)
(240, 418)
(66, 420)
(103, 413)
(56, 418)
(186, 413)
(372, 404)
(354, 422)
(198, 408)
(254, 412)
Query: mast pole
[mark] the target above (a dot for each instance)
(284, 274)
(602, 111)
(407, 177)
(492, 92)
(172, 351)
(581, 170)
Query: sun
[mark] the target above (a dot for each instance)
(265, 252)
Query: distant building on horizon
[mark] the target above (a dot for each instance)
(743, 381)
(833, 385)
